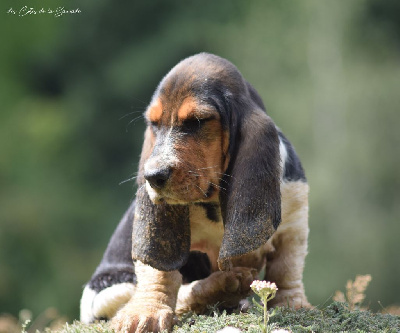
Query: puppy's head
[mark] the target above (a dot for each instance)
(187, 136)
(207, 140)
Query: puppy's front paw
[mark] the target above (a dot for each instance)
(238, 280)
(140, 317)
(224, 288)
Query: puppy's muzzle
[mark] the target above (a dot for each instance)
(158, 177)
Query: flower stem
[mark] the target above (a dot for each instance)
(265, 316)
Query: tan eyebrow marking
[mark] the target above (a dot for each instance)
(155, 111)
(187, 107)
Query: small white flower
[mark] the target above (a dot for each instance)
(267, 291)
(264, 288)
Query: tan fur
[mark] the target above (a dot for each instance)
(287, 248)
(187, 108)
(206, 236)
(153, 304)
(198, 163)
(155, 111)
(224, 288)
(255, 259)
(283, 254)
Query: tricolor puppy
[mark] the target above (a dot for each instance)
(221, 195)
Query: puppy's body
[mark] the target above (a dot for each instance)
(216, 178)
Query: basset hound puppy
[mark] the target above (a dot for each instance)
(221, 197)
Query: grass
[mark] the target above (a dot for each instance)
(336, 317)
(345, 315)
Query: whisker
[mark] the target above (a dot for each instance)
(134, 119)
(200, 190)
(196, 174)
(225, 181)
(141, 187)
(127, 180)
(220, 187)
(129, 113)
(224, 174)
(139, 100)
(208, 167)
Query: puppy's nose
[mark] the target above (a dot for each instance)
(157, 178)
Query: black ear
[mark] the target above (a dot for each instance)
(161, 233)
(251, 205)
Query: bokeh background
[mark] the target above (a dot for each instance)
(72, 90)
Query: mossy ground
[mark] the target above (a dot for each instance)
(333, 318)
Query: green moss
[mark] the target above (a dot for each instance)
(334, 318)
(217, 321)
(78, 327)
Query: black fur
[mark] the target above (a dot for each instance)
(211, 210)
(160, 234)
(105, 280)
(197, 267)
(117, 265)
(251, 207)
(293, 168)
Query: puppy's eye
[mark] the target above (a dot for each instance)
(154, 125)
(193, 125)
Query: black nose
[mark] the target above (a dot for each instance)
(157, 178)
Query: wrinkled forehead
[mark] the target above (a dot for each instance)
(162, 110)
(195, 87)
(179, 98)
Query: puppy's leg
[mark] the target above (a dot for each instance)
(288, 247)
(103, 302)
(113, 282)
(225, 288)
(151, 309)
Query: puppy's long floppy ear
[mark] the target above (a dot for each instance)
(251, 206)
(161, 233)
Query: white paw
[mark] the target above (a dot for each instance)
(106, 303)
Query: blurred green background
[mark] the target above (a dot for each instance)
(71, 88)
